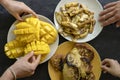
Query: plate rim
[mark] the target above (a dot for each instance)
(58, 73)
(49, 21)
(68, 37)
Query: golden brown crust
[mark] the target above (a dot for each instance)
(64, 49)
(56, 62)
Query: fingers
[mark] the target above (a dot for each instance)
(17, 16)
(105, 68)
(106, 65)
(110, 21)
(33, 13)
(26, 9)
(106, 16)
(37, 61)
(106, 61)
(109, 62)
(29, 55)
(110, 14)
(32, 59)
(107, 11)
(110, 5)
(30, 11)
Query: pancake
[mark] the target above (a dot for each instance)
(64, 49)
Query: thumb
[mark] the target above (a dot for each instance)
(37, 61)
(29, 55)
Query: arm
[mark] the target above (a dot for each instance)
(23, 67)
(16, 8)
(111, 66)
(7, 75)
(110, 14)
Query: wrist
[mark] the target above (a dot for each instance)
(12, 72)
(7, 75)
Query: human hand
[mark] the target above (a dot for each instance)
(25, 66)
(111, 66)
(110, 14)
(17, 8)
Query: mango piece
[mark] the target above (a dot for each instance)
(15, 53)
(31, 35)
(38, 48)
(23, 25)
(24, 31)
(48, 33)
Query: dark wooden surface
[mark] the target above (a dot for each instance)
(107, 43)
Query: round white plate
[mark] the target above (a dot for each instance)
(53, 46)
(94, 6)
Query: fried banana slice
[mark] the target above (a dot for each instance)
(58, 17)
(71, 4)
(73, 18)
(69, 25)
(83, 33)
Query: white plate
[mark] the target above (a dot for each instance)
(53, 46)
(94, 6)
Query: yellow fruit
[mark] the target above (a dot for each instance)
(14, 49)
(43, 57)
(26, 38)
(48, 33)
(12, 44)
(23, 25)
(31, 35)
(38, 48)
(32, 21)
(24, 31)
